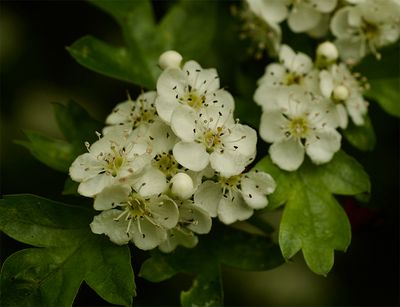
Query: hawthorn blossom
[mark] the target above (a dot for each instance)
(365, 27)
(338, 84)
(235, 198)
(192, 220)
(129, 216)
(295, 68)
(205, 139)
(297, 123)
(112, 159)
(132, 113)
(192, 86)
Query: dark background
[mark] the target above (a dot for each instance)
(35, 70)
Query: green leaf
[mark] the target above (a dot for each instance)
(224, 245)
(313, 221)
(137, 61)
(70, 187)
(114, 62)
(70, 254)
(384, 79)
(386, 92)
(179, 29)
(54, 153)
(76, 124)
(205, 291)
(362, 137)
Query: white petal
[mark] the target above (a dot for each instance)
(201, 79)
(232, 210)
(178, 236)
(208, 196)
(171, 83)
(326, 83)
(161, 137)
(95, 185)
(151, 182)
(322, 148)
(194, 218)
(183, 123)
(104, 223)
(342, 116)
(351, 49)
(164, 211)
(286, 55)
(146, 235)
(272, 98)
(222, 101)
(287, 154)
(274, 11)
(271, 125)
(191, 155)
(229, 163)
(340, 22)
(84, 167)
(357, 108)
(324, 6)
(165, 107)
(111, 197)
(301, 64)
(274, 74)
(120, 114)
(241, 139)
(255, 186)
(303, 18)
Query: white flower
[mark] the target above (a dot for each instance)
(305, 15)
(163, 167)
(295, 68)
(131, 114)
(111, 160)
(170, 58)
(235, 198)
(366, 27)
(338, 84)
(192, 86)
(227, 145)
(129, 216)
(192, 219)
(296, 125)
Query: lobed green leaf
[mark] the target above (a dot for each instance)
(362, 137)
(71, 253)
(313, 221)
(54, 153)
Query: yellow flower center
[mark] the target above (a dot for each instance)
(298, 127)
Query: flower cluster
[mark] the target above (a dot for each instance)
(171, 160)
(304, 103)
(359, 26)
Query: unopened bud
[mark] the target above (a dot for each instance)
(340, 93)
(182, 185)
(170, 59)
(328, 51)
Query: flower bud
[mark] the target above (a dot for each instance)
(340, 93)
(182, 185)
(170, 59)
(327, 51)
